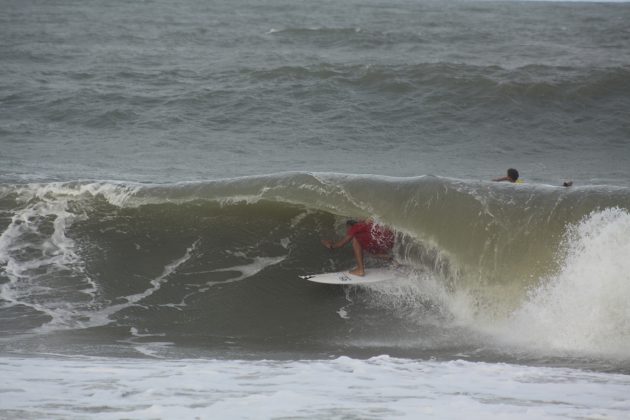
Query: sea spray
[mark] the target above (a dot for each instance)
(584, 307)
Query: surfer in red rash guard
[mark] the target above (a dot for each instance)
(365, 236)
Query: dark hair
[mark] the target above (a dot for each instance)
(512, 174)
(351, 222)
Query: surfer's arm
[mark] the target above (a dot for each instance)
(330, 244)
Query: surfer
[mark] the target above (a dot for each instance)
(365, 236)
(512, 176)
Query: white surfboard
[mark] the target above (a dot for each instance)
(372, 275)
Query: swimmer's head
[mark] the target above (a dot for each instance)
(512, 174)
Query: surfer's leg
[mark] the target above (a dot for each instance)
(358, 255)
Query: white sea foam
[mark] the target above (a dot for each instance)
(51, 251)
(157, 282)
(115, 193)
(35, 241)
(584, 307)
(244, 271)
(248, 270)
(380, 387)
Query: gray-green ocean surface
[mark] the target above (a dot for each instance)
(165, 91)
(168, 169)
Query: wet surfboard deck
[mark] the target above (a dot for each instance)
(372, 275)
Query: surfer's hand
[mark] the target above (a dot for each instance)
(327, 243)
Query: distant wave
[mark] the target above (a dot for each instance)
(530, 80)
(356, 36)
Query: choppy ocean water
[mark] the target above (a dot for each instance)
(168, 170)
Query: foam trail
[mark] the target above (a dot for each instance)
(158, 281)
(103, 317)
(247, 270)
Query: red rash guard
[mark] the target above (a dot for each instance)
(373, 238)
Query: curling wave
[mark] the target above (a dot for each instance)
(218, 261)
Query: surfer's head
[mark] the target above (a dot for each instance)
(350, 222)
(512, 174)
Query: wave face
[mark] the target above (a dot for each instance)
(215, 265)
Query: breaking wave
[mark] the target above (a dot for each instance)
(218, 262)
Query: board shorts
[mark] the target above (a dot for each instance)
(373, 238)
